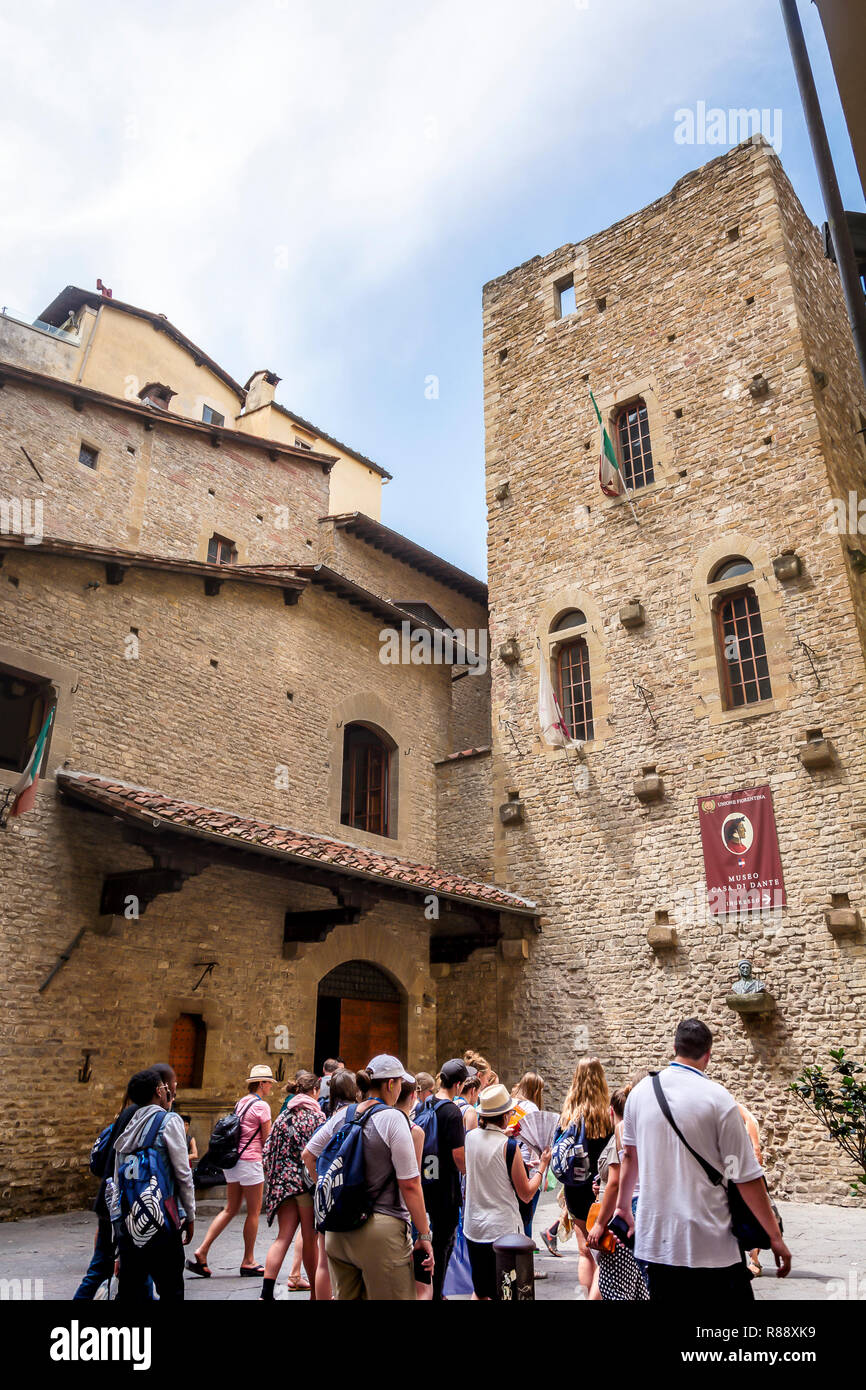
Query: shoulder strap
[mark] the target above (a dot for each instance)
(151, 1134)
(380, 1105)
(240, 1115)
(510, 1153)
(712, 1173)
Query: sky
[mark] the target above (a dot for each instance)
(323, 190)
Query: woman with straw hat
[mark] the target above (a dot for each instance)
(246, 1180)
(495, 1179)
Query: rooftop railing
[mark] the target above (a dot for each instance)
(40, 326)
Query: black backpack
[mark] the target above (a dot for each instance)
(427, 1120)
(223, 1151)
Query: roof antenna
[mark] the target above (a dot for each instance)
(106, 292)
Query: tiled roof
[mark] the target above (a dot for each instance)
(383, 538)
(151, 808)
(464, 754)
(273, 576)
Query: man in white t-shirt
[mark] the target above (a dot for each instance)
(683, 1228)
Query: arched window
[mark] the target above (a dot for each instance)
(573, 678)
(730, 568)
(574, 617)
(186, 1050)
(366, 781)
(633, 439)
(740, 638)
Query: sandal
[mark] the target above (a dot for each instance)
(298, 1284)
(198, 1266)
(252, 1271)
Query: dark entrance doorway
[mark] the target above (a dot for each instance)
(359, 1014)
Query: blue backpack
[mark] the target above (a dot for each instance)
(145, 1188)
(569, 1156)
(425, 1119)
(99, 1152)
(342, 1200)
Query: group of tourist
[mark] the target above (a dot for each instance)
(398, 1186)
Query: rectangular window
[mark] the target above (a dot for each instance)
(88, 456)
(302, 443)
(565, 300)
(744, 651)
(221, 551)
(211, 416)
(25, 702)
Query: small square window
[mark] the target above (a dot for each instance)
(88, 456)
(211, 416)
(221, 551)
(566, 303)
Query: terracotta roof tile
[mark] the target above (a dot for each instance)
(144, 804)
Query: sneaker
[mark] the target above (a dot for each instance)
(550, 1242)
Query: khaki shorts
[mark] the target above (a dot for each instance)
(373, 1262)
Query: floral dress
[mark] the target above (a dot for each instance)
(285, 1174)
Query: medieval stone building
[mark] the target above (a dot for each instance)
(255, 837)
(709, 643)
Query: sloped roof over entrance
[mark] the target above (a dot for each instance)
(153, 810)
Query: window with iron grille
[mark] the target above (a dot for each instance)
(221, 551)
(575, 688)
(635, 449)
(743, 649)
(359, 979)
(366, 777)
(186, 1050)
(88, 455)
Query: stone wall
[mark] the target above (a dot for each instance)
(163, 490)
(465, 815)
(229, 735)
(684, 303)
(394, 579)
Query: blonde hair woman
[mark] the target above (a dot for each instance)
(486, 1075)
(528, 1097)
(587, 1104)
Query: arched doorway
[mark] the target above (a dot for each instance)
(360, 1012)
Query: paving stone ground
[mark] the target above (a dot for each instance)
(828, 1245)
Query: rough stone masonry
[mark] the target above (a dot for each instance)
(684, 304)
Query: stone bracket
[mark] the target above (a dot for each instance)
(142, 884)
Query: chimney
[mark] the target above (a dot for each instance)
(260, 390)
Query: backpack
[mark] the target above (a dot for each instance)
(342, 1200)
(425, 1119)
(222, 1150)
(144, 1191)
(99, 1152)
(569, 1156)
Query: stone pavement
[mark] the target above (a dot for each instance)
(828, 1245)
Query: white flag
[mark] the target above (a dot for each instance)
(554, 729)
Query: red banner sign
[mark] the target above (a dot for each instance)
(741, 851)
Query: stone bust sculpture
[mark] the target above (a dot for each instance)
(747, 984)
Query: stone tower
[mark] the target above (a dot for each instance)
(711, 323)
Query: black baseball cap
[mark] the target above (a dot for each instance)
(453, 1072)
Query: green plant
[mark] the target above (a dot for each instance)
(838, 1100)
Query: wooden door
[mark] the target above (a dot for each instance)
(368, 1027)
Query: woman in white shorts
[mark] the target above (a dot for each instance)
(246, 1180)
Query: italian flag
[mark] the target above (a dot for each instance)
(24, 793)
(609, 476)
